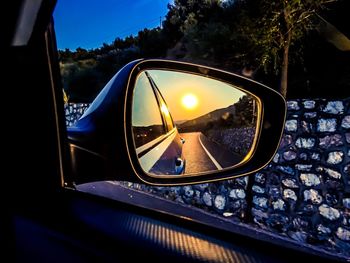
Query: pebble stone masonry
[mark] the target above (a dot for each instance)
(304, 193)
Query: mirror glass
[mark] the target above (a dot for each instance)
(186, 124)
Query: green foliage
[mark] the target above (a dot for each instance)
(84, 78)
(258, 34)
(277, 21)
(184, 16)
(244, 116)
(151, 43)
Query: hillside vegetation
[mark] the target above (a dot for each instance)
(239, 36)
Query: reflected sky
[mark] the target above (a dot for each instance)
(211, 94)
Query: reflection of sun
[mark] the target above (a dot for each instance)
(189, 101)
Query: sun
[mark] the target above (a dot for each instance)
(189, 101)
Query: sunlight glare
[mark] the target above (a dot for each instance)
(165, 110)
(189, 101)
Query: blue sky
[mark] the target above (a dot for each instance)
(89, 23)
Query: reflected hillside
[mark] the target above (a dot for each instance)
(238, 115)
(202, 122)
(233, 127)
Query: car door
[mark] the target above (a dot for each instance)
(156, 139)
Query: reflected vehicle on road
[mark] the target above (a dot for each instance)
(156, 138)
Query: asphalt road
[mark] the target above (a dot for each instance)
(203, 155)
(224, 157)
(197, 160)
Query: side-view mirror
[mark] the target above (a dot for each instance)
(218, 120)
(170, 123)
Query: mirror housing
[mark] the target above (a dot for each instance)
(219, 121)
(101, 142)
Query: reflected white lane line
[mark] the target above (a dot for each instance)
(218, 166)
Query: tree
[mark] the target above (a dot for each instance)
(81, 53)
(183, 15)
(151, 42)
(280, 25)
(65, 55)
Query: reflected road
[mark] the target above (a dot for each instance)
(203, 155)
(196, 158)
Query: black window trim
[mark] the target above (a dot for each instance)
(160, 100)
(165, 130)
(145, 148)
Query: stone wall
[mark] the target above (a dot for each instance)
(73, 111)
(304, 193)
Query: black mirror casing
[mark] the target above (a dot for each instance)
(97, 146)
(101, 142)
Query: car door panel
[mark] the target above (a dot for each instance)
(95, 229)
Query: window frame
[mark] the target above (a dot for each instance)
(149, 144)
(161, 100)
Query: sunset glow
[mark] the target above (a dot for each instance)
(190, 96)
(189, 101)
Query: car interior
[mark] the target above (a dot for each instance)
(44, 218)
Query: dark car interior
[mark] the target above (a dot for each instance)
(43, 220)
